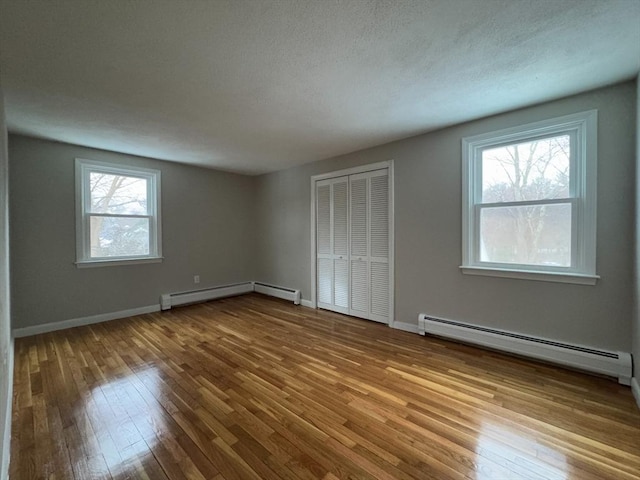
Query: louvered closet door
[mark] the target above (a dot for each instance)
(340, 196)
(332, 242)
(323, 244)
(379, 279)
(370, 281)
(359, 254)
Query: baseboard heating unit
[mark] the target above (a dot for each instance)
(169, 300)
(279, 292)
(614, 364)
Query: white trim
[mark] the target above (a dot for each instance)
(405, 327)
(77, 322)
(5, 444)
(154, 213)
(532, 275)
(353, 170)
(583, 196)
(112, 263)
(183, 298)
(306, 303)
(389, 165)
(314, 259)
(392, 243)
(635, 389)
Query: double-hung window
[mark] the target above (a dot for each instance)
(529, 201)
(117, 214)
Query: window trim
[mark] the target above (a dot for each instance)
(83, 168)
(583, 130)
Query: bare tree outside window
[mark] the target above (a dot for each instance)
(527, 234)
(118, 222)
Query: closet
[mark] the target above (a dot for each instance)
(353, 244)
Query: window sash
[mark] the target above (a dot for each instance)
(476, 159)
(479, 205)
(477, 233)
(86, 179)
(152, 240)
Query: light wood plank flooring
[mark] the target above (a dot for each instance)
(256, 388)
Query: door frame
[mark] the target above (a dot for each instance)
(388, 164)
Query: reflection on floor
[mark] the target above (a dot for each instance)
(255, 388)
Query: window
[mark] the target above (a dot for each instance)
(529, 201)
(117, 214)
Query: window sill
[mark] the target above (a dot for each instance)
(115, 262)
(575, 278)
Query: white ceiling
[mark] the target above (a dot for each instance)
(254, 86)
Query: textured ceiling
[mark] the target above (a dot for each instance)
(259, 85)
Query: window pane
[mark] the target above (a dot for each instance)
(533, 170)
(119, 236)
(118, 194)
(531, 235)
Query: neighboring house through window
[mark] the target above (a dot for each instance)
(117, 214)
(529, 201)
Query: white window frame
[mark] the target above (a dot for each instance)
(582, 127)
(83, 169)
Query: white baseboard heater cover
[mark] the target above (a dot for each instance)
(276, 291)
(169, 300)
(614, 364)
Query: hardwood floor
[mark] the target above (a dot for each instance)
(255, 388)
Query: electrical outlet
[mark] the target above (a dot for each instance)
(196, 279)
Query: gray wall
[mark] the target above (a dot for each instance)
(230, 228)
(428, 231)
(636, 283)
(6, 345)
(207, 226)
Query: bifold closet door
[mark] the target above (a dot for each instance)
(353, 245)
(379, 245)
(369, 245)
(359, 252)
(332, 231)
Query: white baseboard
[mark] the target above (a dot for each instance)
(77, 322)
(635, 388)
(306, 303)
(181, 298)
(405, 327)
(5, 436)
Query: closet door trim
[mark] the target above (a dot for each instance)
(341, 173)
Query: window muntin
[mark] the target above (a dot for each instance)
(529, 201)
(118, 213)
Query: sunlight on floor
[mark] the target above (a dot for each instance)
(125, 417)
(502, 451)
